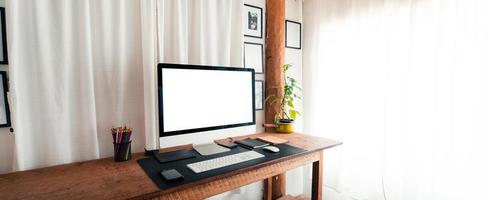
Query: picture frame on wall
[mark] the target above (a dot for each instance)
(4, 108)
(293, 37)
(252, 21)
(253, 57)
(3, 38)
(259, 94)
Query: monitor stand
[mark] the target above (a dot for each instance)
(209, 149)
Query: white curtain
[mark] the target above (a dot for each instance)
(80, 67)
(201, 32)
(403, 83)
(75, 70)
(150, 52)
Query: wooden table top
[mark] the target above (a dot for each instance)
(106, 179)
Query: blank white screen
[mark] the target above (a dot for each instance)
(205, 98)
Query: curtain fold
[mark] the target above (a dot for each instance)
(150, 56)
(403, 85)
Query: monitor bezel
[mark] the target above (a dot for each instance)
(162, 66)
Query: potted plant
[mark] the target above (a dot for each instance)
(287, 114)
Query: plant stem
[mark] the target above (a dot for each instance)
(283, 109)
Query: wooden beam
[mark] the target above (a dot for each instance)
(317, 177)
(275, 55)
(275, 58)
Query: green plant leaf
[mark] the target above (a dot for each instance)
(290, 104)
(291, 79)
(298, 113)
(286, 67)
(293, 114)
(277, 118)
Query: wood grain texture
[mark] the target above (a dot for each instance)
(275, 55)
(105, 179)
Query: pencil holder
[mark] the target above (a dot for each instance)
(122, 151)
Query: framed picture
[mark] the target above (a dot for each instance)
(3, 38)
(293, 34)
(4, 109)
(259, 94)
(253, 57)
(252, 21)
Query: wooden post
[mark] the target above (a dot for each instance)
(275, 55)
(317, 175)
(275, 58)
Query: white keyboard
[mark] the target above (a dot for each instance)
(224, 161)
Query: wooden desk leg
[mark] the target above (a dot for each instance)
(274, 187)
(317, 175)
(268, 189)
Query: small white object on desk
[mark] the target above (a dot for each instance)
(271, 149)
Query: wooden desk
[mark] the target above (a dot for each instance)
(95, 179)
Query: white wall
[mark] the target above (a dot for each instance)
(6, 138)
(293, 12)
(295, 178)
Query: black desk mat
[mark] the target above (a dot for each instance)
(153, 168)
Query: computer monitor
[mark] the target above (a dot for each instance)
(194, 98)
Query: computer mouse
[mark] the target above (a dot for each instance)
(272, 149)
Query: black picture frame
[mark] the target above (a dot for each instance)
(262, 94)
(160, 68)
(261, 54)
(287, 40)
(3, 39)
(4, 90)
(260, 21)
